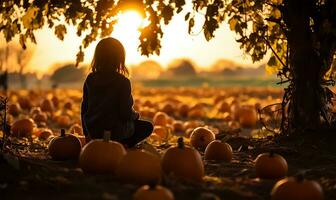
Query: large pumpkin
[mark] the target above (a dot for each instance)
(297, 189)
(153, 193)
(183, 162)
(271, 166)
(139, 167)
(218, 151)
(23, 127)
(201, 137)
(101, 155)
(64, 147)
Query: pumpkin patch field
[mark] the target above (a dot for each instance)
(206, 144)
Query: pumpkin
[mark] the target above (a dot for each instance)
(55, 101)
(76, 129)
(153, 193)
(201, 137)
(178, 126)
(25, 103)
(248, 117)
(197, 112)
(139, 167)
(161, 131)
(64, 147)
(47, 106)
(297, 189)
(223, 107)
(183, 110)
(63, 121)
(40, 118)
(218, 151)
(67, 105)
(168, 108)
(14, 109)
(35, 110)
(23, 127)
(190, 124)
(160, 118)
(183, 162)
(101, 155)
(271, 166)
(44, 134)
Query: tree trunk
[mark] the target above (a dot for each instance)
(305, 103)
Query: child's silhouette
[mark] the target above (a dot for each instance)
(107, 100)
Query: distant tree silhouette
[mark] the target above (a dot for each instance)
(23, 57)
(299, 33)
(67, 74)
(181, 67)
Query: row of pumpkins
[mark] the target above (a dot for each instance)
(182, 161)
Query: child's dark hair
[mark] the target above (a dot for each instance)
(109, 56)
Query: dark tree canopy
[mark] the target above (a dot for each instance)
(301, 34)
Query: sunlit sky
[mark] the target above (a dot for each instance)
(176, 43)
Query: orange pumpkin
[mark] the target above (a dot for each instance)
(297, 189)
(218, 151)
(178, 126)
(35, 110)
(271, 166)
(183, 162)
(47, 106)
(224, 107)
(160, 118)
(25, 103)
(183, 110)
(64, 147)
(153, 193)
(76, 129)
(248, 117)
(201, 137)
(14, 109)
(55, 101)
(63, 121)
(44, 134)
(40, 118)
(23, 127)
(161, 131)
(168, 108)
(139, 167)
(197, 112)
(101, 155)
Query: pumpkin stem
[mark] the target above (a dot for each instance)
(271, 153)
(152, 185)
(180, 143)
(107, 136)
(62, 132)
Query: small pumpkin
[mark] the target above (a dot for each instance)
(160, 119)
(218, 151)
(139, 167)
(101, 155)
(23, 127)
(178, 126)
(55, 101)
(44, 134)
(150, 192)
(197, 112)
(201, 137)
(63, 121)
(47, 106)
(14, 109)
(271, 166)
(248, 117)
(183, 110)
(76, 129)
(168, 108)
(67, 105)
(297, 188)
(161, 131)
(183, 162)
(40, 118)
(224, 107)
(64, 147)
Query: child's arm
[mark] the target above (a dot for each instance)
(84, 107)
(126, 102)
